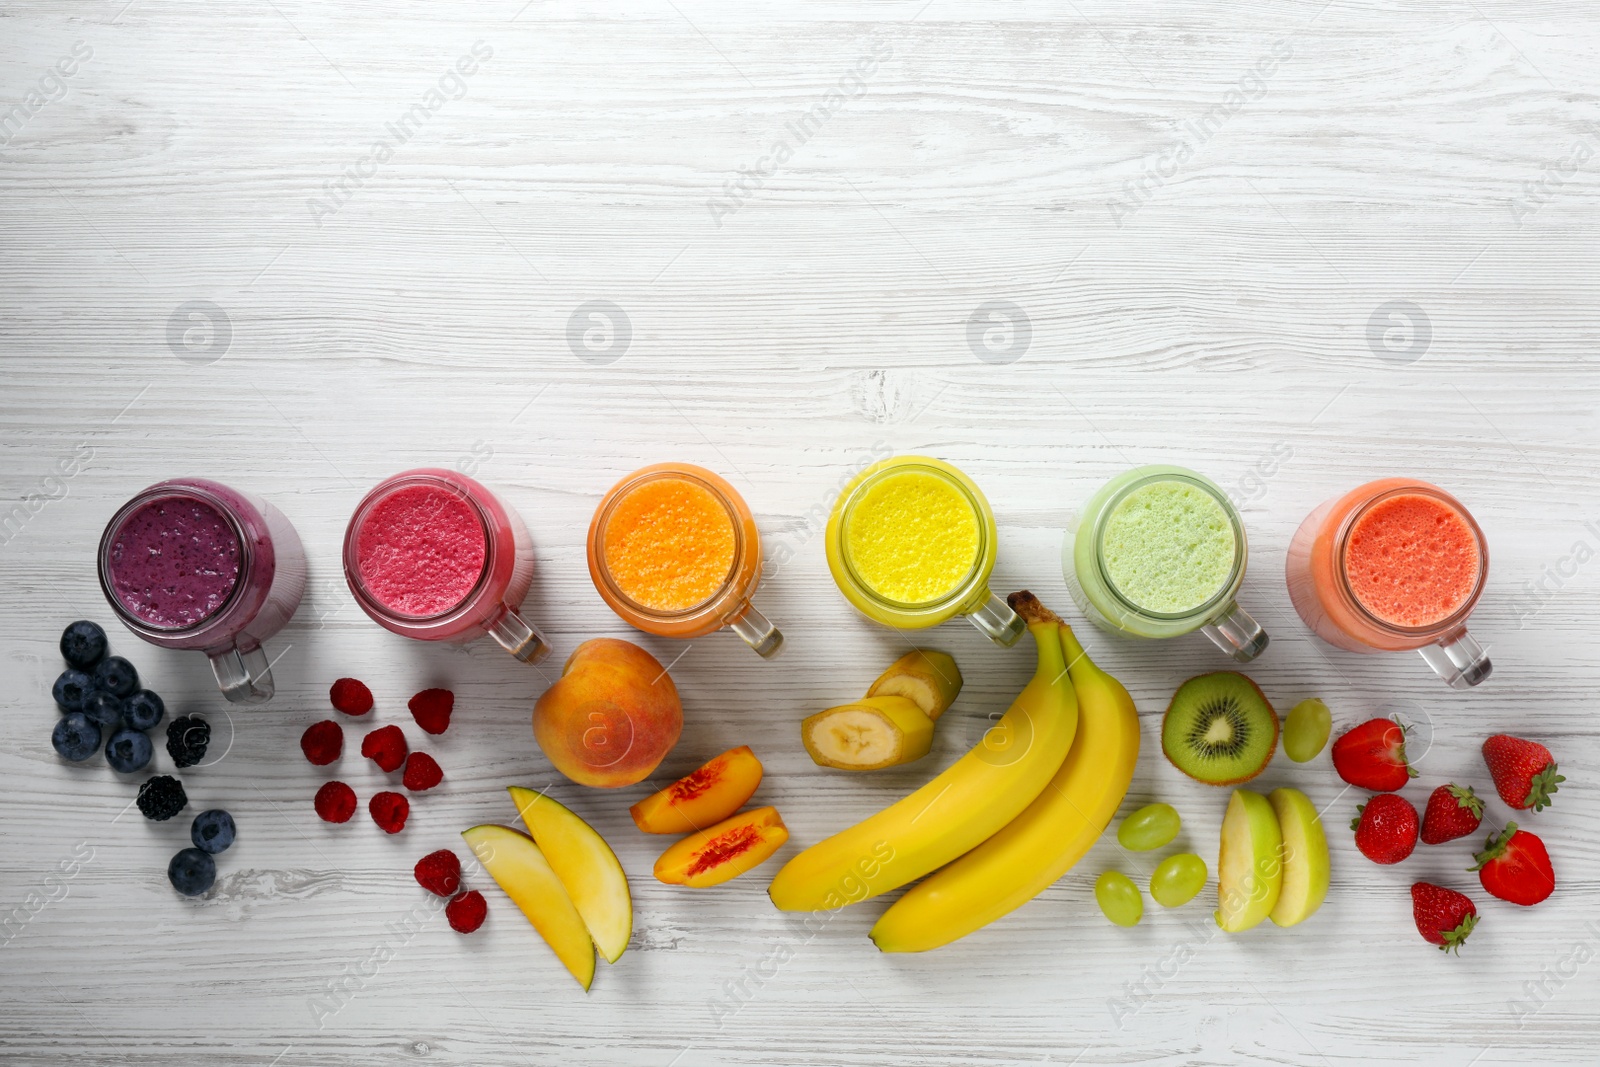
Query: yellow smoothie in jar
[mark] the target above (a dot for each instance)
(912, 537)
(911, 542)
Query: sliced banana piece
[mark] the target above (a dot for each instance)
(874, 732)
(927, 678)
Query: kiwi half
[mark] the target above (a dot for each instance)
(1220, 729)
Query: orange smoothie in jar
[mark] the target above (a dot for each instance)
(669, 544)
(674, 551)
(1411, 560)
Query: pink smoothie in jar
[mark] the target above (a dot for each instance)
(421, 550)
(434, 555)
(193, 564)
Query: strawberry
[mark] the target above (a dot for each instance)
(431, 708)
(1443, 916)
(439, 873)
(1373, 756)
(1524, 772)
(1453, 811)
(1514, 866)
(1386, 828)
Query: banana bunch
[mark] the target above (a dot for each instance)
(959, 809)
(1039, 845)
(999, 826)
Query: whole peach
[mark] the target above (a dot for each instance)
(611, 717)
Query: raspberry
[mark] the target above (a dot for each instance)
(431, 708)
(323, 742)
(335, 802)
(422, 772)
(350, 696)
(385, 746)
(162, 797)
(439, 873)
(389, 810)
(466, 911)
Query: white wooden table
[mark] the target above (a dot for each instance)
(1326, 241)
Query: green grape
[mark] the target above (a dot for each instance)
(1150, 827)
(1177, 879)
(1119, 898)
(1306, 729)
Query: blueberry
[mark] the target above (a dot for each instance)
(212, 831)
(116, 675)
(142, 710)
(191, 872)
(83, 644)
(72, 688)
(128, 750)
(76, 736)
(103, 707)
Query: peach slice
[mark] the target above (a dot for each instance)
(706, 796)
(725, 851)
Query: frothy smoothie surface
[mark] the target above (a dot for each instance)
(421, 550)
(1412, 560)
(912, 537)
(174, 563)
(669, 544)
(1168, 547)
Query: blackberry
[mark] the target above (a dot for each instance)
(161, 798)
(187, 738)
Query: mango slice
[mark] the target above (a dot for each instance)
(702, 798)
(725, 851)
(515, 862)
(587, 867)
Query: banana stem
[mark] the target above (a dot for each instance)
(1032, 611)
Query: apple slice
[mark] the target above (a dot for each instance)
(586, 866)
(515, 862)
(1305, 857)
(1250, 865)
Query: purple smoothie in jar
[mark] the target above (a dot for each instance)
(175, 562)
(190, 563)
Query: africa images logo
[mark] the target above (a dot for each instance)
(452, 85)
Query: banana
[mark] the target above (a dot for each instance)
(1038, 846)
(928, 678)
(980, 793)
(872, 733)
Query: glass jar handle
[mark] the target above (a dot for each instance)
(756, 631)
(1458, 659)
(997, 621)
(518, 637)
(1237, 634)
(243, 674)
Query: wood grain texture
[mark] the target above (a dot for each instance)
(1217, 310)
